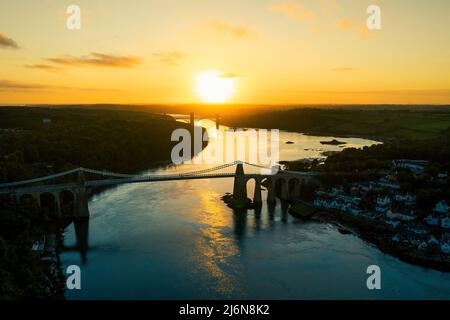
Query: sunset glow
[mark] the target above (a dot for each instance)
(214, 87)
(288, 52)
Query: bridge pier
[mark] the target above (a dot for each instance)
(240, 188)
(271, 191)
(296, 194)
(57, 204)
(284, 190)
(81, 201)
(257, 197)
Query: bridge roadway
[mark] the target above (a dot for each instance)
(143, 179)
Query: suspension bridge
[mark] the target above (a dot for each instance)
(77, 191)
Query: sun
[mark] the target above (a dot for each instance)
(214, 86)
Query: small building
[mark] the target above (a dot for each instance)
(408, 199)
(403, 216)
(442, 175)
(432, 241)
(445, 223)
(383, 201)
(385, 183)
(432, 220)
(382, 209)
(441, 207)
(416, 166)
(445, 247)
(46, 121)
(392, 223)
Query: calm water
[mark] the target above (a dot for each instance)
(177, 240)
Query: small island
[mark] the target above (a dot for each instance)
(333, 142)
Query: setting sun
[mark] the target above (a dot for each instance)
(214, 86)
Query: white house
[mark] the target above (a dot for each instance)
(383, 201)
(441, 207)
(445, 247)
(46, 120)
(442, 175)
(381, 209)
(400, 216)
(433, 241)
(408, 198)
(336, 190)
(385, 183)
(416, 166)
(432, 220)
(423, 245)
(395, 224)
(445, 223)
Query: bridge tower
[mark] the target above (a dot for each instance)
(240, 187)
(81, 202)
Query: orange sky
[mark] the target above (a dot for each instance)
(274, 52)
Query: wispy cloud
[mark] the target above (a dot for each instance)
(234, 30)
(7, 85)
(298, 12)
(294, 10)
(6, 42)
(359, 28)
(47, 67)
(97, 60)
(12, 85)
(171, 58)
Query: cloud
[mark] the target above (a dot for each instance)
(47, 67)
(171, 58)
(294, 10)
(7, 85)
(329, 7)
(6, 42)
(97, 60)
(359, 28)
(237, 31)
(298, 12)
(344, 69)
(12, 85)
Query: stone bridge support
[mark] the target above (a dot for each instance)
(81, 198)
(240, 187)
(284, 190)
(257, 197)
(271, 191)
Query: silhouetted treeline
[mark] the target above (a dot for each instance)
(387, 124)
(39, 141)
